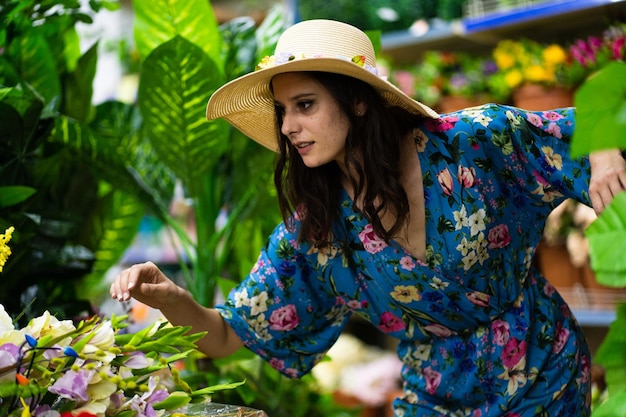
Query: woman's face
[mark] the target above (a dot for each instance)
(311, 118)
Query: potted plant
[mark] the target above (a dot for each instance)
(448, 81)
(529, 72)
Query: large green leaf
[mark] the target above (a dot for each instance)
(176, 81)
(78, 86)
(105, 161)
(159, 21)
(607, 243)
(612, 354)
(12, 195)
(601, 111)
(36, 64)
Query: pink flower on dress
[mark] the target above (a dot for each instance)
(560, 339)
(552, 115)
(285, 318)
(390, 323)
(442, 124)
(371, 242)
(466, 176)
(499, 236)
(407, 263)
(534, 119)
(554, 130)
(513, 352)
(277, 364)
(445, 180)
(501, 333)
(433, 379)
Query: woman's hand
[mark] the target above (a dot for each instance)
(146, 283)
(608, 177)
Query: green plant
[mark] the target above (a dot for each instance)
(126, 158)
(56, 201)
(600, 121)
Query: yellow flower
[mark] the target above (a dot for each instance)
(513, 78)
(536, 73)
(266, 62)
(554, 54)
(405, 293)
(5, 251)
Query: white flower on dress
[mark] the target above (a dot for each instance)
(477, 222)
(258, 303)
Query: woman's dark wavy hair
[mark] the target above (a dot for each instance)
(314, 193)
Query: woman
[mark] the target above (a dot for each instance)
(425, 225)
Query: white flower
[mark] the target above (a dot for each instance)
(461, 218)
(477, 222)
(241, 298)
(258, 303)
(483, 119)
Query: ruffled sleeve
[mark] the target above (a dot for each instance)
(540, 142)
(283, 311)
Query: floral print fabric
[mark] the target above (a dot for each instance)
(481, 332)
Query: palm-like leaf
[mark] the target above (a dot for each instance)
(176, 81)
(159, 21)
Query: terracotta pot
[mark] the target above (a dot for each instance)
(538, 98)
(555, 264)
(449, 104)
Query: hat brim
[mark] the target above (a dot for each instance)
(248, 104)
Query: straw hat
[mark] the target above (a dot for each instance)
(312, 45)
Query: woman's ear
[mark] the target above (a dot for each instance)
(360, 108)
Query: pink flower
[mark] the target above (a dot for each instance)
(478, 298)
(439, 330)
(407, 263)
(466, 176)
(552, 115)
(561, 338)
(554, 130)
(445, 180)
(499, 237)
(440, 125)
(433, 379)
(513, 352)
(277, 364)
(501, 333)
(285, 318)
(371, 242)
(390, 323)
(534, 119)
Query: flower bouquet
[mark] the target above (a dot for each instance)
(56, 368)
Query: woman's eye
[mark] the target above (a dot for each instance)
(305, 104)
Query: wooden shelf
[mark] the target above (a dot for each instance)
(552, 20)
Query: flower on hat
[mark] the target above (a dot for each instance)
(273, 60)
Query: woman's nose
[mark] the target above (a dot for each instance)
(288, 127)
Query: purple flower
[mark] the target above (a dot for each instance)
(136, 361)
(143, 405)
(73, 385)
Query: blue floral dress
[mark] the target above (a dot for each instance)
(481, 332)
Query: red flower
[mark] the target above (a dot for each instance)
(81, 414)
